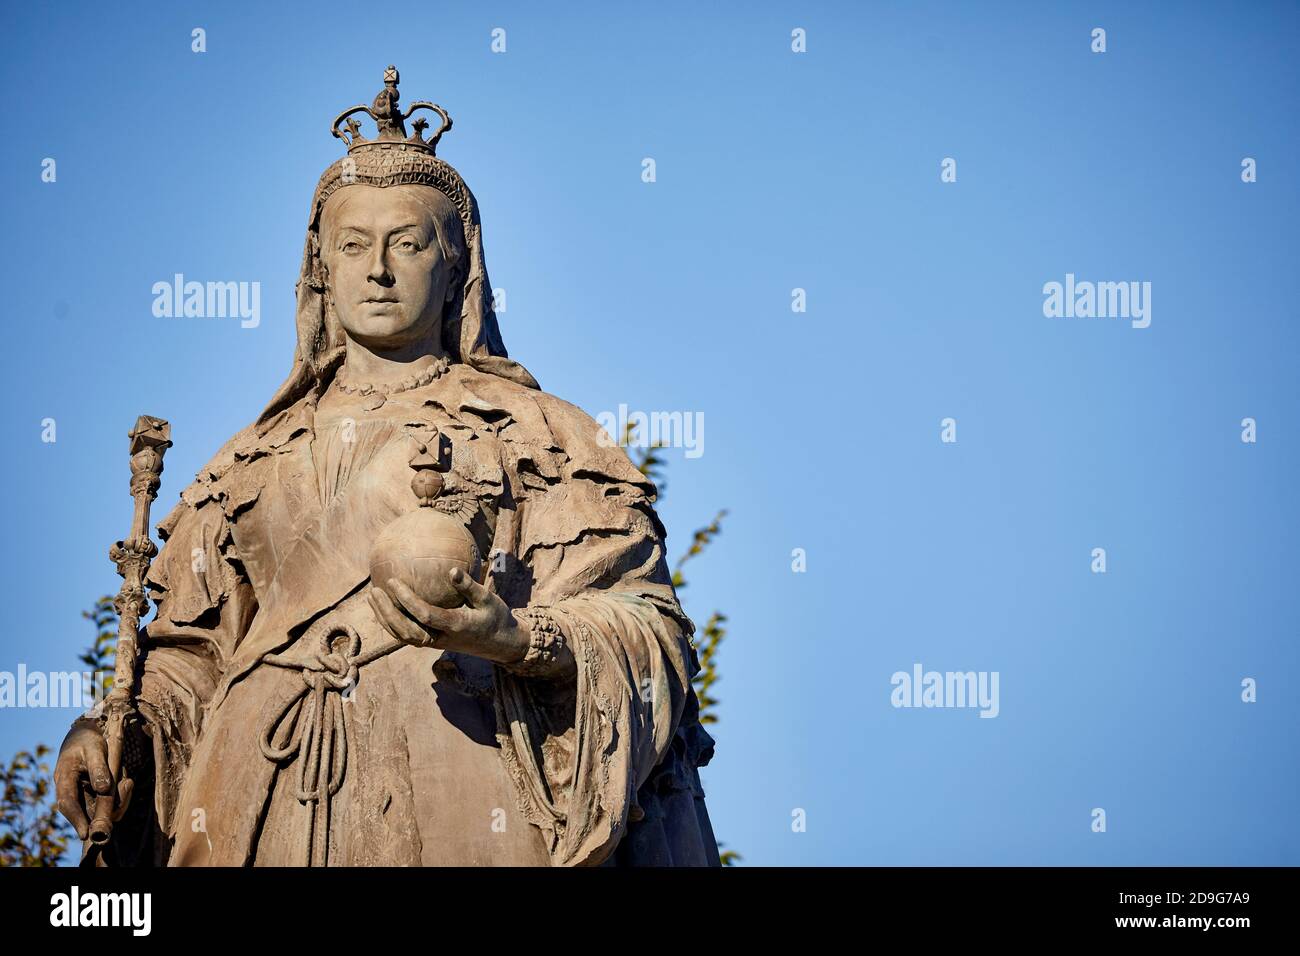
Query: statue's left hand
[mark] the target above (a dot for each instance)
(484, 626)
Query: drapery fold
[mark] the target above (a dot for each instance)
(604, 764)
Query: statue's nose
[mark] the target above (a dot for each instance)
(379, 268)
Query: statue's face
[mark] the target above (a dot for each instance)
(388, 273)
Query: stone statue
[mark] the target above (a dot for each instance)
(418, 612)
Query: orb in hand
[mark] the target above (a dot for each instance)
(420, 549)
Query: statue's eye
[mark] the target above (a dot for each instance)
(351, 246)
(407, 244)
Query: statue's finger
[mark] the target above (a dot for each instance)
(431, 616)
(67, 774)
(401, 626)
(70, 807)
(399, 600)
(97, 766)
(124, 790)
(377, 599)
(475, 594)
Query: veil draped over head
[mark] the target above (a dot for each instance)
(469, 333)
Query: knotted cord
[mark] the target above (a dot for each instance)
(313, 721)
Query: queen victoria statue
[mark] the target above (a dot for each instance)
(418, 612)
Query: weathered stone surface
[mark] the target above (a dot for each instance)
(301, 715)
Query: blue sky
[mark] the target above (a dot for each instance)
(775, 171)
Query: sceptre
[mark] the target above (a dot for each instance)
(150, 439)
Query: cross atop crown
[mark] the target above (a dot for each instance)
(390, 121)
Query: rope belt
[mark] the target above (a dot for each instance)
(312, 721)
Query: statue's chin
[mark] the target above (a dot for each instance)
(386, 330)
(381, 319)
(381, 343)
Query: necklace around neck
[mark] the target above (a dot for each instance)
(377, 393)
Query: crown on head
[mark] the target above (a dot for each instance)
(390, 121)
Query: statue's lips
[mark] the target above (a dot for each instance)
(380, 306)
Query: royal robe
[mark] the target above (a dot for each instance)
(287, 726)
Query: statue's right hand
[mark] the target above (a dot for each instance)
(82, 764)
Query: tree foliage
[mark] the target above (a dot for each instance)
(32, 831)
(99, 657)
